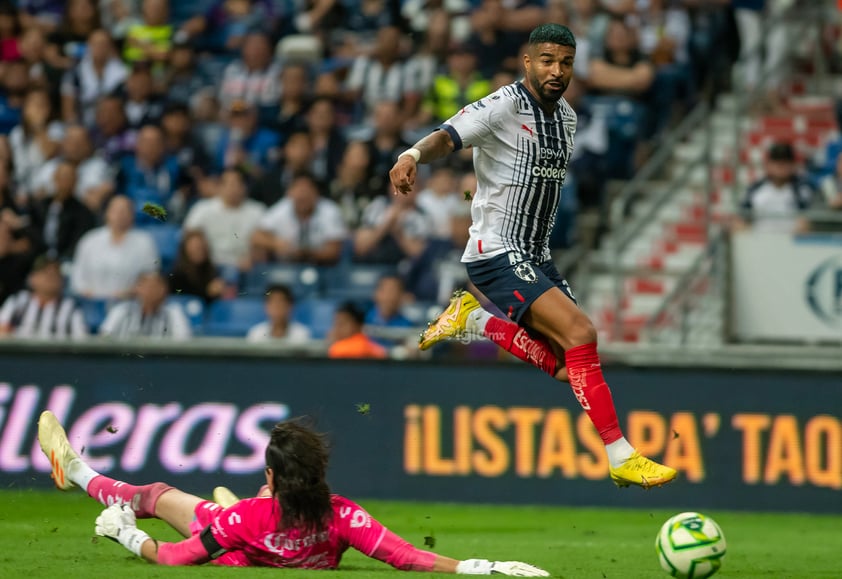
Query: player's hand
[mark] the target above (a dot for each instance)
(118, 522)
(114, 520)
(510, 568)
(517, 569)
(403, 174)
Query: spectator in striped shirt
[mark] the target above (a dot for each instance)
(384, 76)
(42, 311)
(149, 316)
(254, 77)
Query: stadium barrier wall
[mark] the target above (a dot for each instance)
(498, 433)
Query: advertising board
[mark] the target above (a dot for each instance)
(492, 433)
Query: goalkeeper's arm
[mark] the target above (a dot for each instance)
(370, 537)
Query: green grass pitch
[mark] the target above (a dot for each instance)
(50, 534)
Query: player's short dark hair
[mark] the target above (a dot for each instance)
(351, 309)
(554, 33)
(279, 288)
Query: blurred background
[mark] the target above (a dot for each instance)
(195, 209)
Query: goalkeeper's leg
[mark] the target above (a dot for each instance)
(156, 500)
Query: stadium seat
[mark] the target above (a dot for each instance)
(167, 237)
(316, 314)
(94, 312)
(193, 307)
(233, 317)
(354, 282)
(302, 280)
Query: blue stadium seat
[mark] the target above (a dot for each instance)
(94, 312)
(233, 317)
(302, 280)
(193, 307)
(354, 282)
(316, 314)
(167, 237)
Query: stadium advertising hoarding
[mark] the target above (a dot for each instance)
(496, 433)
(797, 278)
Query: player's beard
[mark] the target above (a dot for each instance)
(546, 93)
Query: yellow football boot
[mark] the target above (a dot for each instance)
(639, 470)
(451, 322)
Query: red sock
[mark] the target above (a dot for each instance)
(514, 339)
(142, 499)
(585, 375)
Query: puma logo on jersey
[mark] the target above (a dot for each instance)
(528, 130)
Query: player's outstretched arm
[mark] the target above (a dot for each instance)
(366, 534)
(431, 148)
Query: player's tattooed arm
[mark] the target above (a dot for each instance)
(434, 146)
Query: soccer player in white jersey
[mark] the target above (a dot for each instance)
(522, 140)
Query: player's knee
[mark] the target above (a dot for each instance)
(581, 331)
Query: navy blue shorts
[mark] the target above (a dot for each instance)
(512, 283)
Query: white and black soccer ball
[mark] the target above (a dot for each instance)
(690, 546)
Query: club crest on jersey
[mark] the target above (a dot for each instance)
(525, 272)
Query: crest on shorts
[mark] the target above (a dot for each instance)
(525, 272)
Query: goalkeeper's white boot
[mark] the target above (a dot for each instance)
(56, 447)
(224, 497)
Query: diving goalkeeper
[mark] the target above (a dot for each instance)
(300, 524)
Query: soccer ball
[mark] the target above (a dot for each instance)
(690, 546)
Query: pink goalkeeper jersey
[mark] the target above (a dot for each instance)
(249, 533)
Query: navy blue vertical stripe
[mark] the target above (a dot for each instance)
(532, 201)
(525, 158)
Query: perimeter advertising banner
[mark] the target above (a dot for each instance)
(797, 278)
(481, 433)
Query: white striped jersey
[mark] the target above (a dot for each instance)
(126, 320)
(520, 159)
(29, 318)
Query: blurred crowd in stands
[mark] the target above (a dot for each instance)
(266, 129)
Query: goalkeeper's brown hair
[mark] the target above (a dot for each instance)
(298, 457)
